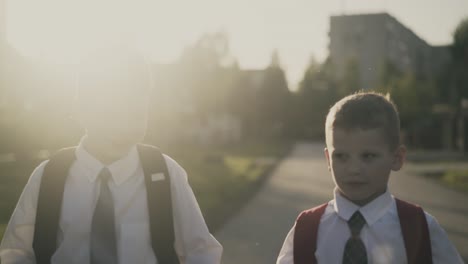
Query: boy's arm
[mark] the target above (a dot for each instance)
(443, 251)
(286, 255)
(16, 246)
(193, 242)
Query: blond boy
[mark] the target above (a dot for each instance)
(364, 223)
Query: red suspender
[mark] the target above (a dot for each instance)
(413, 227)
(415, 232)
(305, 235)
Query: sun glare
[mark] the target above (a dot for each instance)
(62, 31)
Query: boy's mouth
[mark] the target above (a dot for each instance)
(356, 183)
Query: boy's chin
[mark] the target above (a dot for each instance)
(121, 145)
(362, 199)
(117, 146)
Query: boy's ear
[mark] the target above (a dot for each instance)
(327, 155)
(399, 158)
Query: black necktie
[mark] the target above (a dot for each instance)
(355, 251)
(103, 242)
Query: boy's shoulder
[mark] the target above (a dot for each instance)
(175, 171)
(37, 173)
(404, 209)
(318, 210)
(403, 205)
(309, 220)
(152, 148)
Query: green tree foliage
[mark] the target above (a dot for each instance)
(460, 43)
(459, 85)
(459, 50)
(320, 88)
(275, 99)
(453, 80)
(414, 98)
(263, 100)
(317, 92)
(349, 82)
(208, 71)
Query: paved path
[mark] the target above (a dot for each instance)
(302, 181)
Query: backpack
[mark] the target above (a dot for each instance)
(158, 194)
(413, 227)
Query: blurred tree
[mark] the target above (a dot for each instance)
(317, 91)
(349, 83)
(414, 98)
(388, 74)
(452, 88)
(275, 98)
(262, 100)
(458, 96)
(460, 43)
(459, 50)
(208, 70)
(453, 81)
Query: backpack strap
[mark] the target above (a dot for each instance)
(305, 235)
(49, 204)
(158, 189)
(415, 232)
(50, 198)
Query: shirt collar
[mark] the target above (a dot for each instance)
(120, 170)
(372, 211)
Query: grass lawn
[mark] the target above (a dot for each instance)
(223, 178)
(457, 179)
(453, 174)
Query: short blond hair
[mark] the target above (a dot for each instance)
(366, 110)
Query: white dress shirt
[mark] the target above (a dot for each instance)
(193, 242)
(381, 234)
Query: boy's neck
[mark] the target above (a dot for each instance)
(366, 201)
(105, 153)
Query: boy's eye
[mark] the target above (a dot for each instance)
(369, 156)
(340, 156)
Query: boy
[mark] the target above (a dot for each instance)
(110, 199)
(364, 223)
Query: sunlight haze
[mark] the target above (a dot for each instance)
(59, 30)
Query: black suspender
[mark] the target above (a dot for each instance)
(157, 183)
(49, 204)
(158, 189)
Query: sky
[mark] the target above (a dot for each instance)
(57, 30)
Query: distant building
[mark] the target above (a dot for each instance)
(373, 39)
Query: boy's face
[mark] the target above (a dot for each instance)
(360, 162)
(114, 115)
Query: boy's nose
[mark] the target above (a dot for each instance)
(354, 167)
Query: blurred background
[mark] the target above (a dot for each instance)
(236, 69)
(236, 82)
